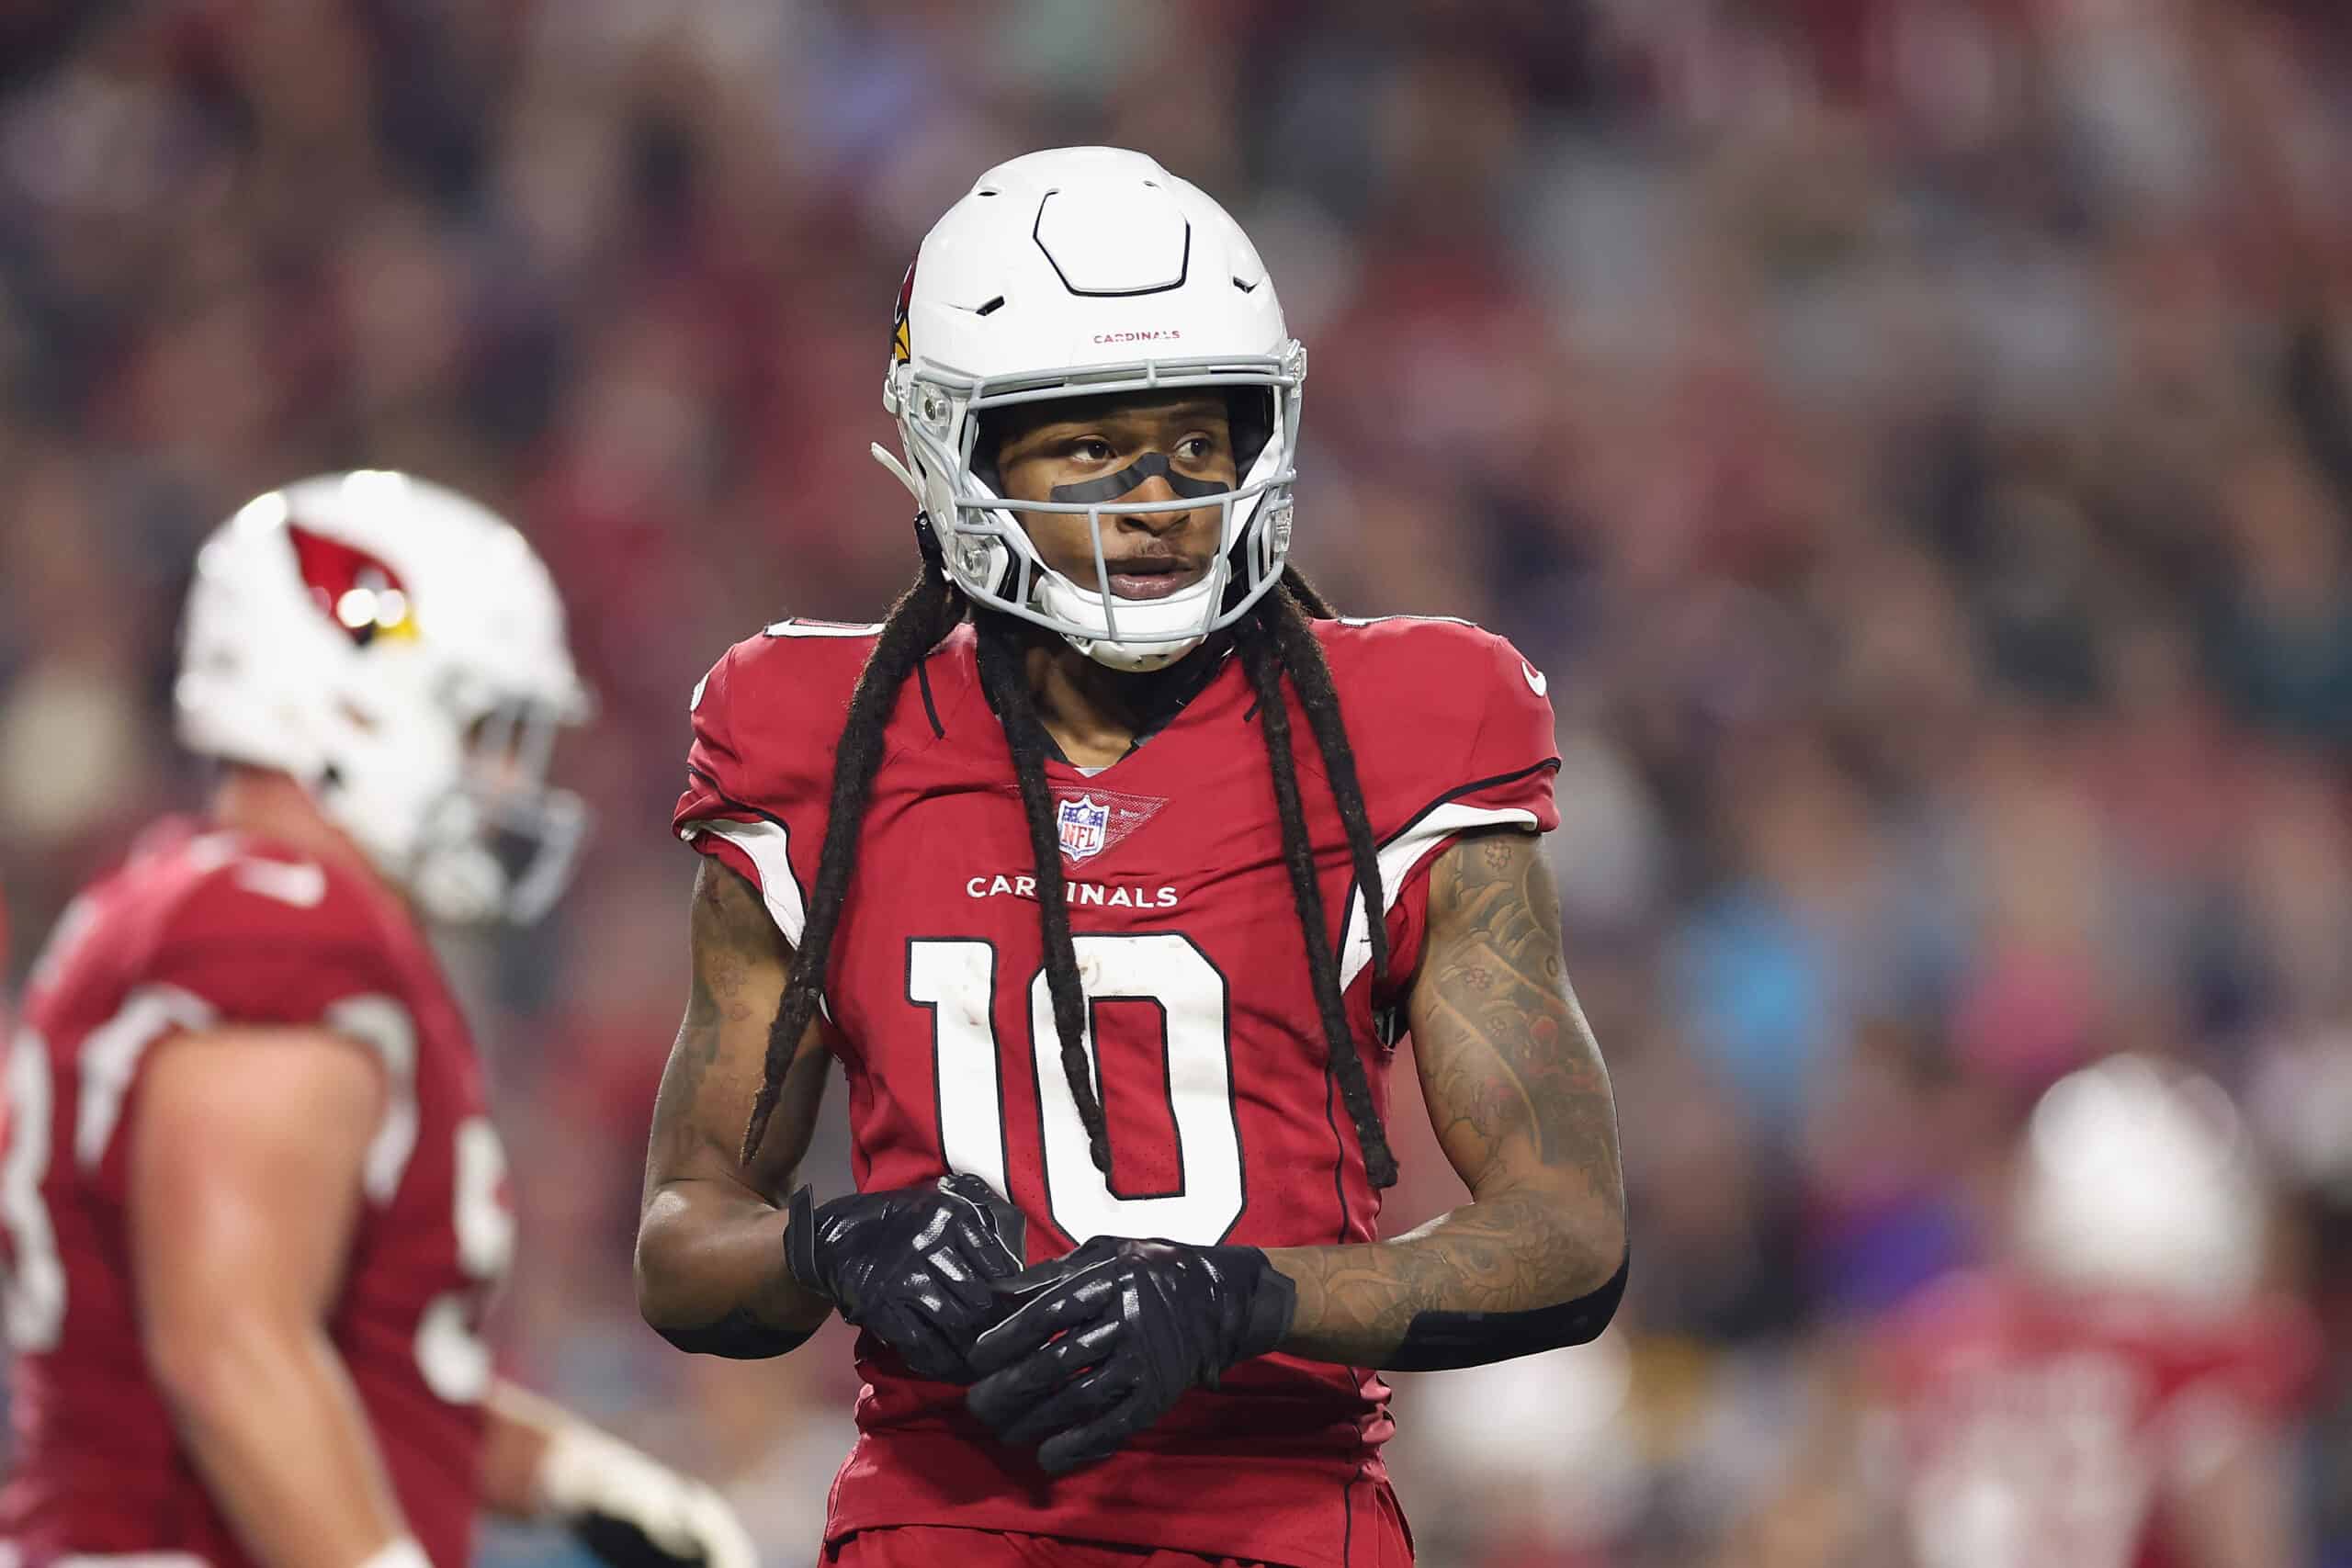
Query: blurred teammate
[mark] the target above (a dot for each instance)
(2118, 1394)
(1068, 863)
(253, 1206)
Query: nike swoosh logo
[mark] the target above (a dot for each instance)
(1535, 682)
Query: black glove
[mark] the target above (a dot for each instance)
(1107, 1338)
(910, 1266)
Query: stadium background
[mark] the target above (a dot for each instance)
(1913, 433)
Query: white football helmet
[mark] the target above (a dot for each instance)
(2137, 1179)
(1074, 272)
(400, 650)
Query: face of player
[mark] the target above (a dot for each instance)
(1062, 450)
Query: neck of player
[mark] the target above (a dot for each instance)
(1094, 712)
(273, 805)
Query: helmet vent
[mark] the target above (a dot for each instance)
(994, 305)
(1248, 285)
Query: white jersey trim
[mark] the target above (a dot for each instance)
(381, 1023)
(820, 628)
(1398, 858)
(111, 1054)
(768, 847)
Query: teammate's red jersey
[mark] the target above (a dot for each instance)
(1226, 1124)
(198, 930)
(2029, 1428)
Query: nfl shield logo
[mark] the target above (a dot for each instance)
(1083, 826)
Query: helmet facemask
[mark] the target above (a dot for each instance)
(502, 843)
(990, 555)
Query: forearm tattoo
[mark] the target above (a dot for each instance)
(1521, 1101)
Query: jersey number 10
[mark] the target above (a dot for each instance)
(956, 979)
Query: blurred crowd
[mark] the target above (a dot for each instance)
(1914, 435)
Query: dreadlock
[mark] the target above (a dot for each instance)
(1274, 641)
(916, 622)
(1007, 685)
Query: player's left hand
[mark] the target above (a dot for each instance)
(1106, 1338)
(631, 1511)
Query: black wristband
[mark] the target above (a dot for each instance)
(1440, 1341)
(738, 1336)
(800, 1243)
(1273, 1302)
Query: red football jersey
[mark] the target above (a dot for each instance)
(2029, 1430)
(198, 929)
(1226, 1124)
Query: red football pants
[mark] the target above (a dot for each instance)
(931, 1546)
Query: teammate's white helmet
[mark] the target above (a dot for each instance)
(2137, 1179)
(1080, 272)
(399, 649)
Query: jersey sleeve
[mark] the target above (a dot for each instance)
(257, 940)
(1468, 743)
(767, 720)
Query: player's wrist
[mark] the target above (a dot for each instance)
(628, 1507)
(575, 1456)
(803, 1257)
(1269, 1309)
(1258, 1305)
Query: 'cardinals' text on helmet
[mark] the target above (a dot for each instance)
(1088, 271)
(400, 650)
(2136, 1179)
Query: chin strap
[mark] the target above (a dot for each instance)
(1128, 660)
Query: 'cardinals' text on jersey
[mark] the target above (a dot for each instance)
(1225, 1121)
(197, 930)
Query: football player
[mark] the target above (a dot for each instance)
(1108, 867)
(253, 1203)
(2116, 1392)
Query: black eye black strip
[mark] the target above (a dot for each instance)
(1093, 492)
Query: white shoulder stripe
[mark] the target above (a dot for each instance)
(1382, 620)
(303, 885)
(385, 1026)
(768, 847)
(110, 1057)
(820, 628)
(1398, 858)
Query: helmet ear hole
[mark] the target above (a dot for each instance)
(1249, 415)
(988, 440)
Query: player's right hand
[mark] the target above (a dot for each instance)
(910, 1266)
(1105, 1339)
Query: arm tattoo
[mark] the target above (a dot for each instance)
(710, 1254)
(1509, 1065)
(1519, 1098)
(732, 940)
